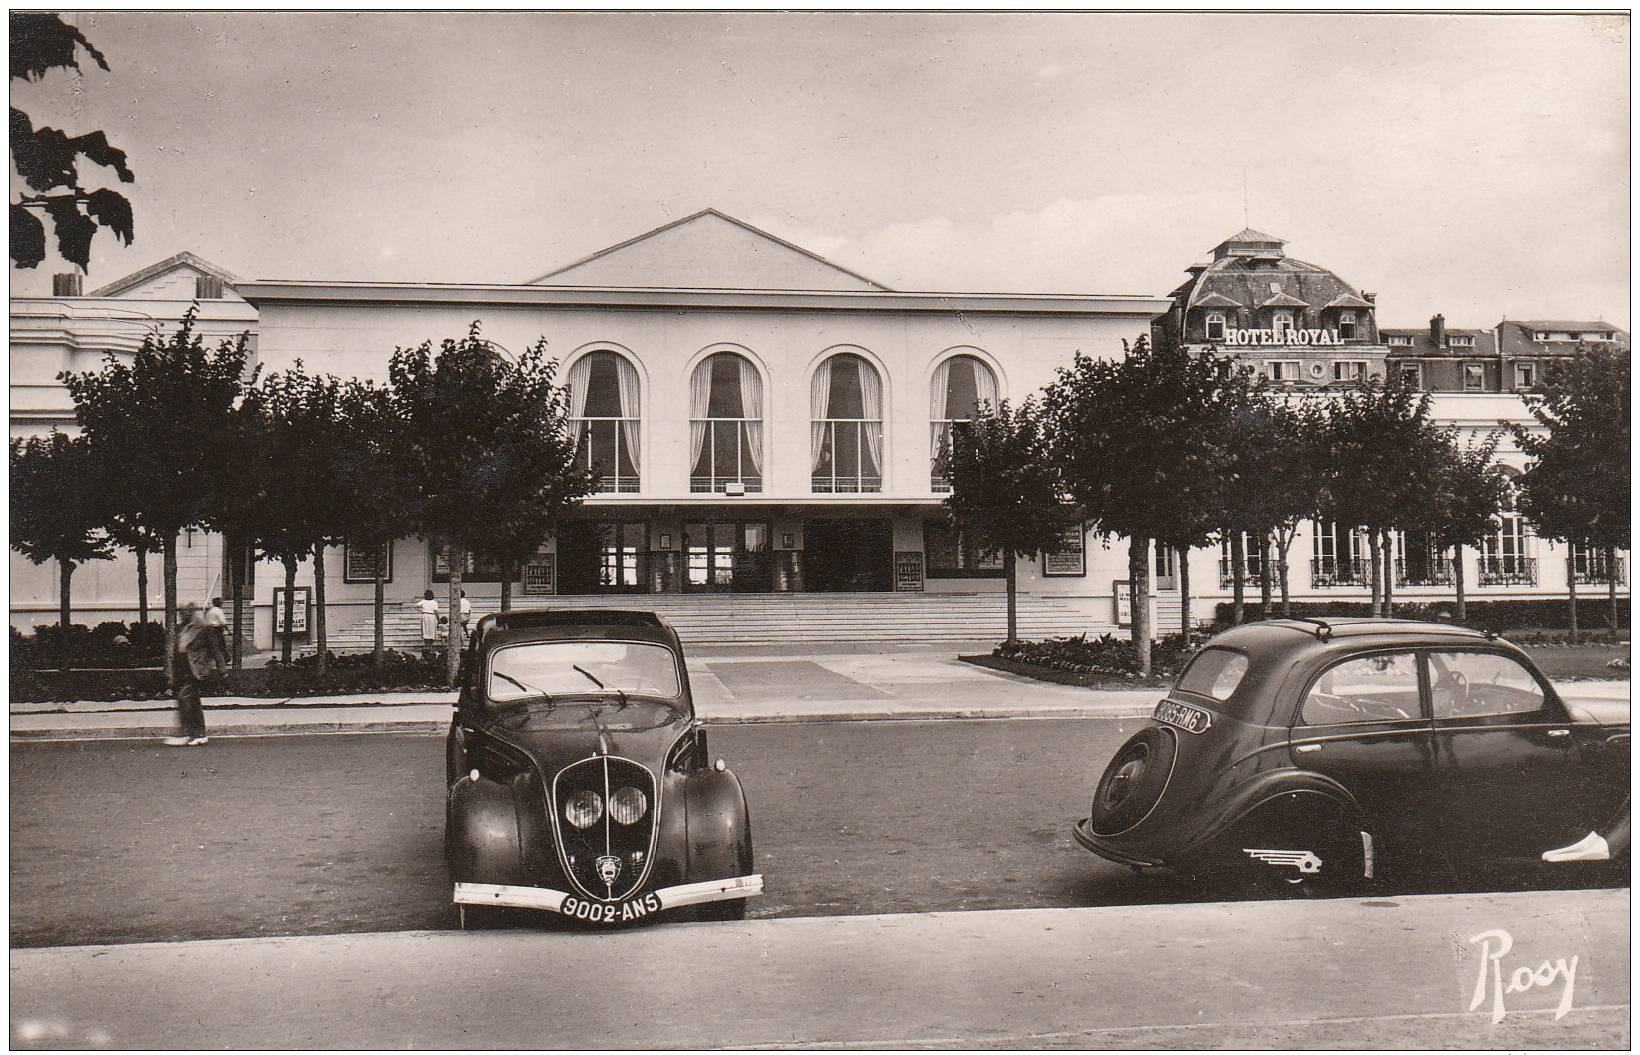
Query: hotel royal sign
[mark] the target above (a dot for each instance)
(1284, 338)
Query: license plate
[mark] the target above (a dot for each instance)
(609, 912)
(1183, 716)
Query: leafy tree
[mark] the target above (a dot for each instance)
(1005, 493)
(57, 512)
(159, 424)
(1577, 488)
(47, 159)
(1139, 442)
(1279, 465)
(488, 443)
(1471, 488)
(1384, 471)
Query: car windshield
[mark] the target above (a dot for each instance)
(538, 668)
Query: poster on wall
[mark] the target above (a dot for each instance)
(541, 574)
(1069, 557)
(1122, 590)
(908, 571)
(299, 611)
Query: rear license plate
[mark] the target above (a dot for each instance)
(1183, 716)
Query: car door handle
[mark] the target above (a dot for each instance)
(1305, 749)
(1558, 732)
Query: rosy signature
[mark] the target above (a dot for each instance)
(1495, 945)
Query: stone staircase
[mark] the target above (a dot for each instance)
(792, 618)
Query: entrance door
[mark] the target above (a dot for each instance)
(727, 556)
(602, 556)
(848, 555)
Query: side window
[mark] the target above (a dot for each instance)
(1380, 687)
(1475, 684)
(1214, 673)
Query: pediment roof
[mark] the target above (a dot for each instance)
(181, 261)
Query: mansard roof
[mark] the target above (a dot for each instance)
(1260, 279)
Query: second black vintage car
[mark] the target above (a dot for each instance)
(1304, 752)
(579, 779)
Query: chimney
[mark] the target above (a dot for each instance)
(70, 284)
(1437, 331)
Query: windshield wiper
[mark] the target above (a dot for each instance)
(538, 692)
(588, 675)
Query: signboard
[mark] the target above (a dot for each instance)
(1123, 591)
(299, 612)
(541, 574)
(1286, 338)
(908, 571)
(1069, 556)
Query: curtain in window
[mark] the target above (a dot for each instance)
(939, 393)
(626, 378)
(700, 395)
(579, 377)
(985, 385)
(871, 402)
(751, 407)
(819, 398)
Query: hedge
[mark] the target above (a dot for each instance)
(1108, 655)
(348, 675)
(108, 644)
(1593, 613)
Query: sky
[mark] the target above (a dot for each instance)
(1472, 165)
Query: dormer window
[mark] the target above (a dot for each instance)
(1346, 325)
(1400, 340)
(1282, 324)
(1215, 326)
(1462, 340)
(1539, 335)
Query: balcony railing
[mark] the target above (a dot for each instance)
(846, 465)
(1227, 577)
(1507, 570)
(1596, 569)
(725, 456)
(1334, 571)
(1423, 572)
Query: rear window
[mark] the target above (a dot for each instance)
(1214, 673)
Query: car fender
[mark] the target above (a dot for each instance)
(481, 838)
(1267, 790)
(719, 841)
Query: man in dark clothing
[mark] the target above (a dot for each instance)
(195, 661)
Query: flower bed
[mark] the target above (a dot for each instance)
(1109, 660)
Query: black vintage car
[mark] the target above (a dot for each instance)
(579, 779)
(1315, 752)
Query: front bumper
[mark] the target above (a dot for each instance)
(544, 898)
(1083, 833)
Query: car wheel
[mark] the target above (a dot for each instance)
(1134, 781)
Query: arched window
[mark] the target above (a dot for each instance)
(846, 418)
(1346, 325)
(1282, 323)
(725, 424)
(603, 391)
(961, 384)
(1507, 557)
(1215, 326)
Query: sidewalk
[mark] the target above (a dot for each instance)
(1393, 973)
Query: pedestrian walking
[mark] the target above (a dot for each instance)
(195, 662)
(428, 606)
(466, 614)
(216, 622)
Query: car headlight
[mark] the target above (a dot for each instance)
(627, 805)
(584, 808)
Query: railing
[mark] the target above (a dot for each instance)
(733, 471)
(1336, 571)
(1507, 570)
(602, 445)
(939, 466)
(832, 478)
(1250, 574)
(1596, 569)
(1437, 572)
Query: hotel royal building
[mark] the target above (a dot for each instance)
(767, 430)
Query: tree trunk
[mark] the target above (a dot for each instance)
(1375, 572)
(1284, 543)
(288, 640)
(1139, 571)
(1183, 553)
(378, 644)
(507, 569)
(1460, 612)
(1238, 572)
(1388, 547)
(1008, 564)
(65, 575)
(142, 584)
(168, 572)
(1611, 582)
(1571, 590)
(318, 614)
(236, 598)
(452, 638)
(1265, 586)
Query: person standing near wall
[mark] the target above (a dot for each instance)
(428, 607)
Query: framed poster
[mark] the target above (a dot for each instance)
(359, 563)
(541, 574)
(299, 611)
(908, 571)
(1069, 557)
(1122, 591)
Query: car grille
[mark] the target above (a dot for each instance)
(605, 860)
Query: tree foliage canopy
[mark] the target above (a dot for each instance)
(1577, 487)
(47, 159)
(1005, 491)
(57, 500)
(1385, 453)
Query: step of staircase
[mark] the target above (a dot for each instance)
(721, 619)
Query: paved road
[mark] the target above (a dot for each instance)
(122, 842)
